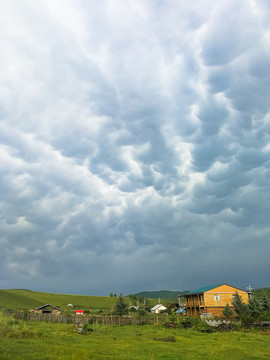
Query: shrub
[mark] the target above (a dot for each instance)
(227, 312)
(86, 328)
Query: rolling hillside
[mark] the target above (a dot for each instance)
(26, 300)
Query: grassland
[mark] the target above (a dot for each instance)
(49, 341)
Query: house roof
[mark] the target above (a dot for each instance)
(157, 306)
(207, 288)
(44, 306)
(203, 289)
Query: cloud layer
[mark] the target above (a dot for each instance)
(134, 145)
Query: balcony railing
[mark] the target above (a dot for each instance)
(195, 303)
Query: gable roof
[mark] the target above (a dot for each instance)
(207, 288)
(44, 306)
(157, 306)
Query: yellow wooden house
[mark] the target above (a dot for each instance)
(212, 299)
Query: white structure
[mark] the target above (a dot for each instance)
(158, 308)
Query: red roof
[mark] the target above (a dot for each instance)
(79, 311)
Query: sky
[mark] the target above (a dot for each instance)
(134, 145)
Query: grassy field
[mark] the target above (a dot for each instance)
(26, 299)
(49, 341)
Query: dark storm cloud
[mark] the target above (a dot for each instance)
(134, 145)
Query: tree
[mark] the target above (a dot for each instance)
(242, 310)
(265, 303)
(254, 308)
(227, 312)
(239, 306)
(121, 307)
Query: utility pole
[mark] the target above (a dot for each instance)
(249, 289)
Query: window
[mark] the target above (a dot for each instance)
(217, 297)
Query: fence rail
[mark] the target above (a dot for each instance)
(102, 320)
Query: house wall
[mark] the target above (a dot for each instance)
(225, 293)
(45, 310)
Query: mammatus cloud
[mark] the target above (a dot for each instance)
(134, 145)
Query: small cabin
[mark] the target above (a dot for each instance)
(48, 309)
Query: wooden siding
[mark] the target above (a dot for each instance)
(225, 293)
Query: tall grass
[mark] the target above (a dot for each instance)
(10, 327)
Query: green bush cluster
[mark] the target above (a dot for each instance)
(255, 310)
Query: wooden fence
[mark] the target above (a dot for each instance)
(102, 320)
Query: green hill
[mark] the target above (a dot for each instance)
(27, 299)
(162, 294)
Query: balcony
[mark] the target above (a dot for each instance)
(195, 302)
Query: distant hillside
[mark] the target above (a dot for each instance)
(260, 292)
(162, 294)
(173, 295)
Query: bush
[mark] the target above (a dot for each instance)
(264, 316)
(227, 312)
(86, 328)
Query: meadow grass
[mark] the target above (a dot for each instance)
(44, 341)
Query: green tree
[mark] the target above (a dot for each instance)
(254, 308)
(241, 309)
(121, 307)
(227, 312)
(239, 306)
